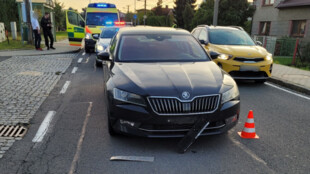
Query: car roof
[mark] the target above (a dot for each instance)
(221, 27)
(152, 30)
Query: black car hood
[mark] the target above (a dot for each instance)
(168, 79)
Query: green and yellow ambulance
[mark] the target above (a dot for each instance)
(98, 15)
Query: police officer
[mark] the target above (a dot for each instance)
(47, 30)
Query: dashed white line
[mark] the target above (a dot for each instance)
(80, 60)
(65, 87)
(44, 127)
(288, 91)
(74, 70)
(80, 142)
(83, 53)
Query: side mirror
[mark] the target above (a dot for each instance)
(259, 43)
(214, 55)
(96, 36)
(203, 42)
(104, 56)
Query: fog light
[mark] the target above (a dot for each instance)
(231, 119)
(127, 122)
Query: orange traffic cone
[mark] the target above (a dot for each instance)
(249, 128)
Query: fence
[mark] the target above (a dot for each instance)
(286, 50)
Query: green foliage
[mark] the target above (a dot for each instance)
(179, 9)
(231, 12)
(188, 15)
(158, 8)
(9, 13)
(60, 16)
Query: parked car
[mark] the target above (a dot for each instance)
(160, 81)
(104, 40)
(234, 51)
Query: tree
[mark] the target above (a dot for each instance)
(188, 15)
(60, 16)
(179, 9)
(158, 8)
(9, 13)
(234, 12)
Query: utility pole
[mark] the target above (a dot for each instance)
(215, 13)
(127, 9)
(27, 5)
(144, 17)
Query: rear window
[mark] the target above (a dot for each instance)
(154, 47)
(108, 33)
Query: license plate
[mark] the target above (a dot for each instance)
(249, 68)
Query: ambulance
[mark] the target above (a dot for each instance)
(85, 32)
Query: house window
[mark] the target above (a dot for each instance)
(268, 2)
(264, 28)
(298, 28)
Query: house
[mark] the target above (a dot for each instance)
(279, 18)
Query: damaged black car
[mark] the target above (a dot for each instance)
(160, 81)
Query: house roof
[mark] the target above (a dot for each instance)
(293, 3)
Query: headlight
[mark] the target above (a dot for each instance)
(232, 92)
(88, 36)
(225, 56)
(100, 48)
(128, 97)
(269, 57)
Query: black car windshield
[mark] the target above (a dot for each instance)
(101, 19)
(108, 33)
(160, 48)
(229, 37)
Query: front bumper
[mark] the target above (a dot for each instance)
(263, 69)
(135, 120)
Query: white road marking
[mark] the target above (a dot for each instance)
(74, 70)
(80, 142)
(87, 60)
(83, 53)
(65, 87)
(80, 60)
(249, 152)
(288, 91)
(44, 127)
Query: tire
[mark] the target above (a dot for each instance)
(109, 121)
(110, 128)
(98, 64)
(260, 81)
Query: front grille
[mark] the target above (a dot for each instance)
(175, 106)
(244, 59)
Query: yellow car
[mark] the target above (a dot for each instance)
(235, 52)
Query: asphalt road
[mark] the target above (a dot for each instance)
(77, 140)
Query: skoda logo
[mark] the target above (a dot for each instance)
(186, 95)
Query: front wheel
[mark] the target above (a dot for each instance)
(98, 64)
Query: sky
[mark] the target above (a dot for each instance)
(120, 4)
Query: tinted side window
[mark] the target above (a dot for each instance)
(203, 35)
(196, 33)
(75, 19)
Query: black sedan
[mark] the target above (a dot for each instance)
(159, 82)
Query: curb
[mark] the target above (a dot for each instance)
(44, 54)
(289, 85)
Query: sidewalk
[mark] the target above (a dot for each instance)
(62, 47)
(290, 77)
